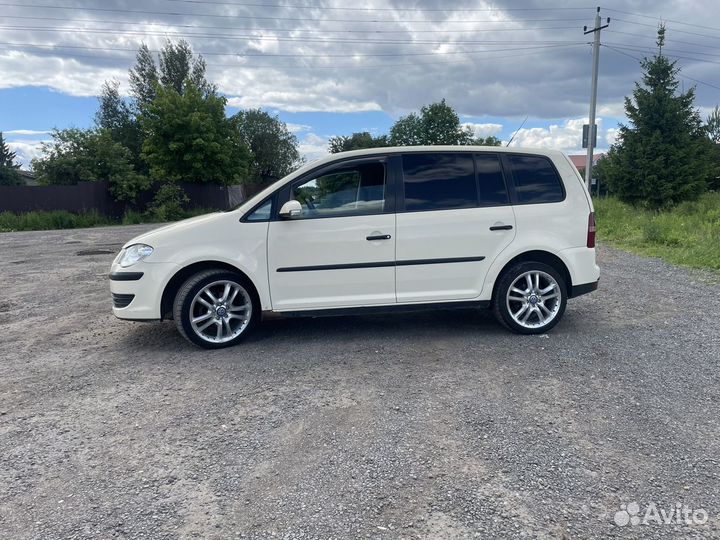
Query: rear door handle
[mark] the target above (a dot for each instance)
(379, 237)
(501, 227)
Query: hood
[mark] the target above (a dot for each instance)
(157, 236)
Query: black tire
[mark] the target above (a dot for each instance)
(186, 294)
(500, 302)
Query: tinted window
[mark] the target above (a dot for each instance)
(535, 179)
(358, 189)
(490, 179)
(439, 181)
(262, 212)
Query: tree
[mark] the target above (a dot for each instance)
(188, 138)
(487, 141)
(116, 116)
(437, 123)
(176, 68)
(179, 67)
(143, 78)
(663, 156)
(76, 155)
(274, 149)
(356, 141)
(8, 168)
(712, 125)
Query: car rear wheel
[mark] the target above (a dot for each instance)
(215, 309)
(530, 298)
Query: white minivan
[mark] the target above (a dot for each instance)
(374, 230)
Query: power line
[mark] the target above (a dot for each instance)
(665, 53)
(680, 75)
(667, 40)
(674, 29)
(255, 17)
(651, 49)
(278, 55)
(275, 38)
(303, 30)
(333, 8)
(662, 19)
(338, 66)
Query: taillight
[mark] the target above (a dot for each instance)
(591, 230)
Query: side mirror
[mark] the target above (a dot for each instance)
(290, 209)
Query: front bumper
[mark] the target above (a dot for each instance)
(137, 291)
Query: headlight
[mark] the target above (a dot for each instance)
(133, 254)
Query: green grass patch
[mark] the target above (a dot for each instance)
(687, 235)
(60, 219)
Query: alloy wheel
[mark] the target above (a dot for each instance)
(220, 311)
(534, 299)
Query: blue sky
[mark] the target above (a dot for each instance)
(328, 68)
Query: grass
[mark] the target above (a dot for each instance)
(60, 219)
(687, 235)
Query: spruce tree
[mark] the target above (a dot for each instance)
(663, 156)
(8, 168)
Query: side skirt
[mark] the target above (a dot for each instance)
(373, 310)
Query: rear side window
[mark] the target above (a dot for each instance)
(439, 181)
(535, 178)
(490, 179)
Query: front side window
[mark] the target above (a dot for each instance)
(261, 213)
(439, 181)
(355, 189)
(536, 180)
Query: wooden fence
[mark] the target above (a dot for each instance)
(86, 196)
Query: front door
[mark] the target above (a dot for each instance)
(455, 219)
(340, 252)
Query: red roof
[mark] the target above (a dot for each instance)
(579, 160)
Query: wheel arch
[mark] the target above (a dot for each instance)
(540, 256)
(175, 282)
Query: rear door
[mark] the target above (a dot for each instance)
(340, 252)
(454, 218)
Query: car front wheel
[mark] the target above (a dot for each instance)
(530, 298)
(215, 309)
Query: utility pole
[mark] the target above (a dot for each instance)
(593, 92)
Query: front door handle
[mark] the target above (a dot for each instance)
(379, 237)
(501, 227)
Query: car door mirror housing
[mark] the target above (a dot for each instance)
(290, 209)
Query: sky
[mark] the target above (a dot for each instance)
(333, 67)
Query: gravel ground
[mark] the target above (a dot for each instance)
(437, 425)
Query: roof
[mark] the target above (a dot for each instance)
(580, 160)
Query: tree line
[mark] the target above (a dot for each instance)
(173, 128)
(437, 123)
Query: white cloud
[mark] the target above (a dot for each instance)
(26, 150)
(299, 101)
(611, 136)
(313, 146)
(67, 75)
(25, 132)
(297, 128)
(484, 130)
(328, 60)
(566, 137)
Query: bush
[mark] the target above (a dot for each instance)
(168, 203)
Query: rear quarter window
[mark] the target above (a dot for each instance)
(535, 179)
